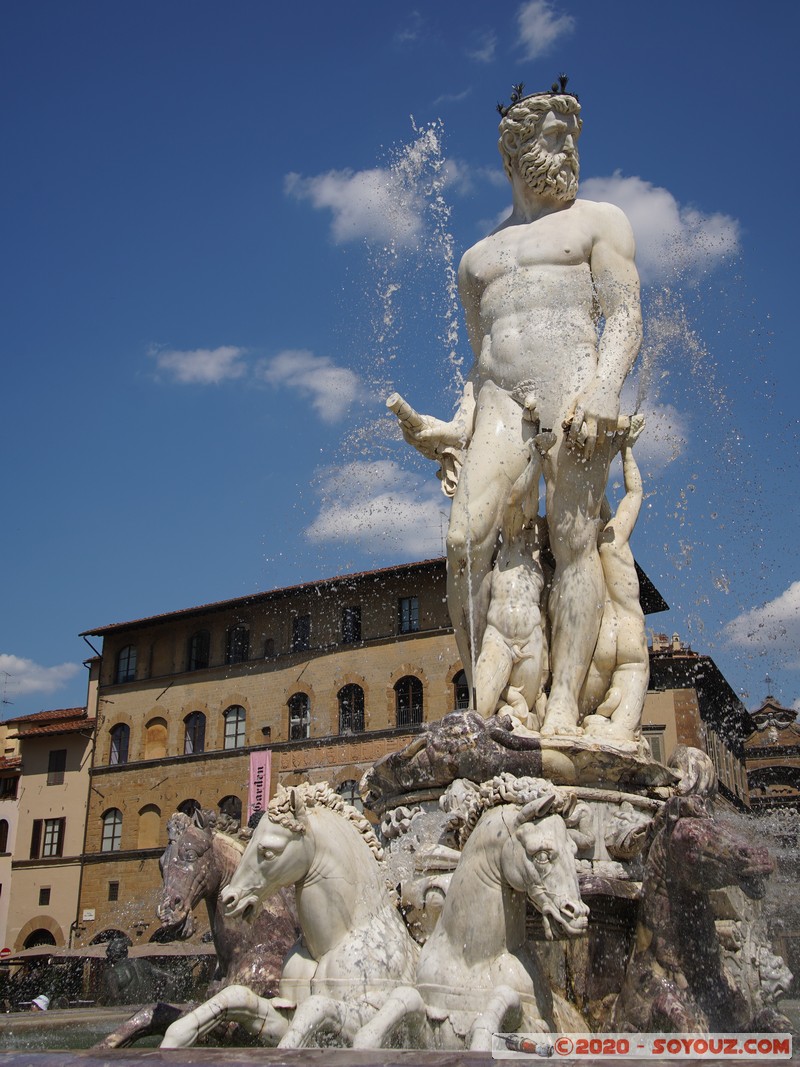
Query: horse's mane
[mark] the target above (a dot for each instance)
(281, 810)
(465, 802)
(223, 826)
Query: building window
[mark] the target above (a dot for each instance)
(56, 765)
(351, 625)
(120, 741)
(351, 709)
(348, 791)
(126, 664)
(408, 698)
(269, 648)
(408, 622)
(238, 647)
(189, 807)
(149, 826)
(301, 633)
(461, 691)
(37, 938)
(234, 727)
(654, 735)
(112, 830)
(3, 835)
(155, 739)
(199, 650)
(299, 716)
(232, 807)
(47, 838)
(44, 896)
(8, 788)
(194, 737)
(113, 890)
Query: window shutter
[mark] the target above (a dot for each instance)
(36, 839)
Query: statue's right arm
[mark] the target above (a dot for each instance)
(431, 436)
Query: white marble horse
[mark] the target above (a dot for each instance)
(477, 974)
(355, 947)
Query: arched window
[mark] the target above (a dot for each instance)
(234, 726)
(299, 716)
(126, 664)
(408, 697)
(238, 647)
(3, 835)
(199, 650)
(231, 806)
(351, 709)
(189, 806)
(194, 736)
(37, 938)
(155, 738)
(461, 691)
(120, 742)
(149, 826)
(348, 791)
(112, 830)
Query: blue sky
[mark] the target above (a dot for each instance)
(228, 230)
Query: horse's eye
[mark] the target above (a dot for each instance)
(190, 856)
(267, 853)
(542, 856)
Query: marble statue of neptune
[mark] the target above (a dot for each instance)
(535, 292)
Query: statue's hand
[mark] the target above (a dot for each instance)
(593, 414)
(428, 435)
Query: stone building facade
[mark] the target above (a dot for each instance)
(326, 676)
(54, 761)
(691, 703)
(772, 751)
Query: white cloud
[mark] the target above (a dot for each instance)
(332, 389)
(411, 31)
(366, 203)
(669, 237)
(484, 49)
(540, 27)
(452, 98)
(775, 624)
(201, 366)
(380, 507)
(27, 677)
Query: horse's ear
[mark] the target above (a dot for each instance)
(298, 805)
(535, 809)
(199, 818)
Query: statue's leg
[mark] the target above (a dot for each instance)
(235, 1003)
(503, 1015)
(578, 592)
(153, 1019)
(492, 671)
(403, 1005)
(317, 1013)
(496, 456)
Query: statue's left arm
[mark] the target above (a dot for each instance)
(616, 283)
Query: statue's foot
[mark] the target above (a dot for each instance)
(598, 726)
(544, 441)
(561, 719)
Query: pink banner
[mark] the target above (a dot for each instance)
(260, 772)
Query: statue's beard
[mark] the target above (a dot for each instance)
(543, 172)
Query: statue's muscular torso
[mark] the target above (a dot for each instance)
(528, 295)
